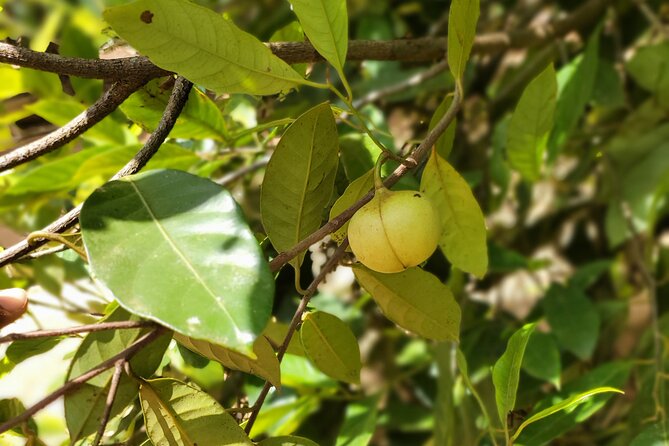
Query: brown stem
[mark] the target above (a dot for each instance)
(102, 326)
(109, 402)
(106, 104)
(297, 318)
(73, 384)
(175, 104)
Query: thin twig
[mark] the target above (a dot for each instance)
(413, 50)
(175, 104)
(417, 156)
(90, 328)
(75, 383)
(297, 318)
(239, 173)
(109, 402)
(106, 104)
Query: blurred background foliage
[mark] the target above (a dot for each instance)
(584, 251)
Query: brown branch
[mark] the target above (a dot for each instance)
(106, 104)
(295, 321)
(75, 383)
(175, 104)
(109, 402)
(415, 158)
(409, 50)
(90, 328)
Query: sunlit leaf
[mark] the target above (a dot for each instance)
(299, 179)
(359, 423)
(175, 248)
(356, 190)
(462, 20)
(284, 415)
(177, 414)
(331, 346)
(464, 238)
(415, 300)
(202, 46)
(444, 144)
(287, 440)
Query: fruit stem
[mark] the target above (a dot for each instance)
(378, 181)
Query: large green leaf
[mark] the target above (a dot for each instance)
(531, 124)
(576, 83)
(85, 406)
(566, 404)
(415, 300)
(199, 119)
(356, 190)
(202, 46)
(325, 22)
(573, 318)
(359, 423)
(265, 365)
(462, 20)
(650, 69)
(299, 179)
(175, 248)
(464, 238)
(542, 358)
(177, 414)
(331, 346)
(506, 372)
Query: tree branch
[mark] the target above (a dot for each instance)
(106, 104)
(295, 321)
(81, 379)
(175, 104)
(90, 328)
(408, 50)
(109, 402)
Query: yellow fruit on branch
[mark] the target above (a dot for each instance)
(394, 231)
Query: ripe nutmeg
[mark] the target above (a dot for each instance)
(13, 304)
(394, 231)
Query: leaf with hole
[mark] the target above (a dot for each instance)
(202, 46)
(175, 248)
(178, 414)
(415, 300)
(331, 346)
(299, 179)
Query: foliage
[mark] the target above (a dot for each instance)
(539, 319)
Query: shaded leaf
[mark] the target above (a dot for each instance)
(177, 414)
(287, 440)
(531, 124)
(656, 434)
(331, 346)
(202, 46)
(506, 372)
(284, 415)
(650, 69)
(359, 422)
(175, 248)
(464, 238)
(542, 358)
(356, 190)
(299, 179)
(415, 300)
(462, 20)
(265, 365)
(19, 351)
(444, 144)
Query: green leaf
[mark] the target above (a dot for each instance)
(563, 405)
(542, 358)
(265, 365)
(331, 346)
(650, 69)
(292, 32)
(19, 351)
(60, 111)
(359, 422)
(199, 119)
(576, 82)
(202, 46)
(573, 319)
(464, 238)
(462, 20)
(175, 248)
(588, 274)
(325, 22)
(531, 124)
(415, 300)
(358, 154)
(284, 415)
(299, 372)
(299, 179)
(656, 434)
(506, 372)
(612, 374)
(356, 190)
(445, 142)
(85, 406)
(287, 440)
(177, 414)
